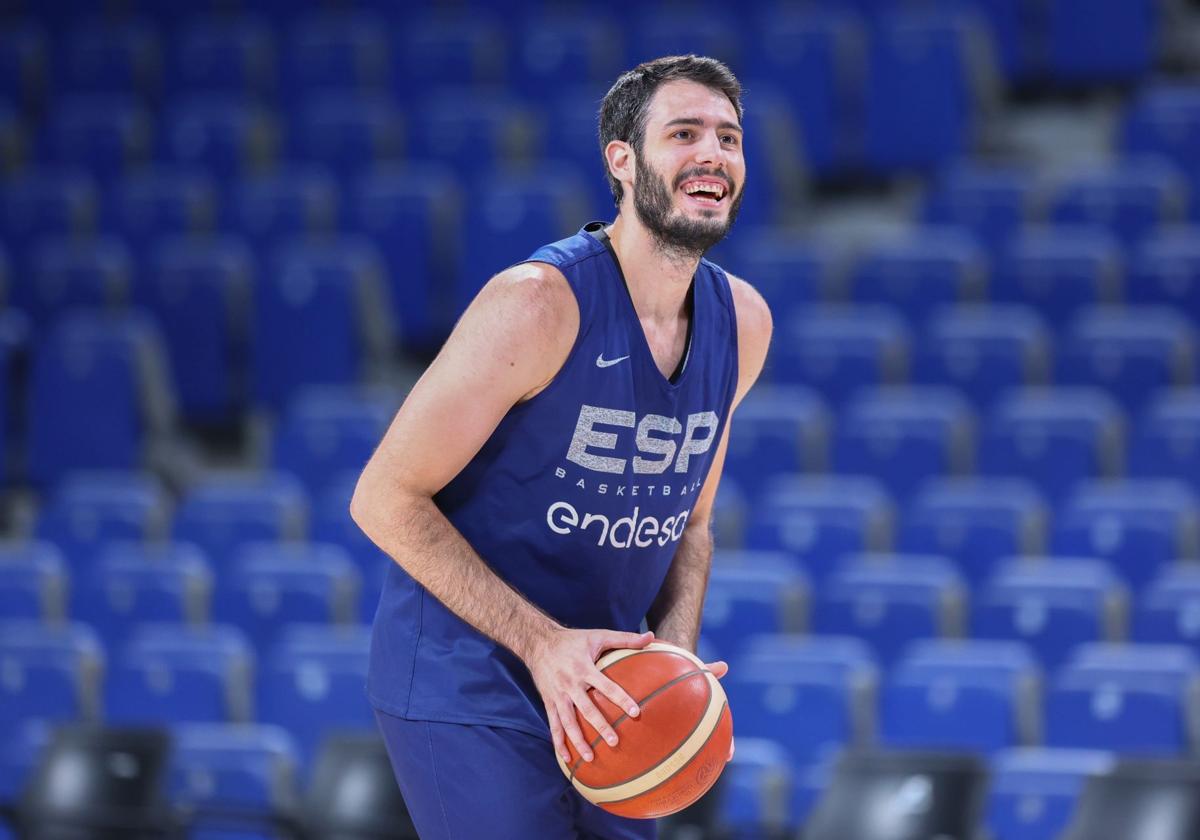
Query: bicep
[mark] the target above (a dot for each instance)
(508, 343)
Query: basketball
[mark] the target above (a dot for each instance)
(668, 756)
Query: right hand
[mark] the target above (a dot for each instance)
(563, 666)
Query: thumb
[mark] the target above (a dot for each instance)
(632, 640)
(719, 668)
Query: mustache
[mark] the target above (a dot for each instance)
(714, 174)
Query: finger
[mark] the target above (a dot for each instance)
(596, 718)
(566, 714)
(719, 668)
(614, 639)
(556, 734)
(615, 693)
(732, 742)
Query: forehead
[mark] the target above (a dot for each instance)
(681, 98)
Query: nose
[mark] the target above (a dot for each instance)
(709, 151)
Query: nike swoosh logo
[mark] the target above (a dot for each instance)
(602, 362)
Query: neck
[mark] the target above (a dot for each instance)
(658, 278)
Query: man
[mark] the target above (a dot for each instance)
(549, 481)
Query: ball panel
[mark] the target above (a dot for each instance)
(668, 718)
(692, 781)
(657, 774)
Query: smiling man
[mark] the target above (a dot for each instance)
(548, 484)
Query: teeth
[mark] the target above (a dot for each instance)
(712, 189)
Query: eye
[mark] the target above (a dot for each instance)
(731, 139)
(683, 133)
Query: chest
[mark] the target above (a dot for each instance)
(667, 342)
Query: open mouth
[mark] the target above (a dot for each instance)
(706, 192)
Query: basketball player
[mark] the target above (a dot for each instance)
(549, 481)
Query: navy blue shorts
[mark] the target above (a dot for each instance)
(466, 782)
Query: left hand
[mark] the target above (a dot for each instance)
(719, 669)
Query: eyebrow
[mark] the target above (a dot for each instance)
(696, 121)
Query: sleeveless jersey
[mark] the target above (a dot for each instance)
(578, 499)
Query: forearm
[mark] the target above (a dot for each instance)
(418, 536)
(675, 615)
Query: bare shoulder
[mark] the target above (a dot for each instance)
(526, 317)
(754, 326)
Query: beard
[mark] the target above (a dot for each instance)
(676, 234)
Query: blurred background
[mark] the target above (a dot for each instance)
(957, 576)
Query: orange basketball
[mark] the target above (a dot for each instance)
(672, 752)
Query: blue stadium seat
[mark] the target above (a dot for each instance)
(1055, 437)
(772, 139)
(50, 673)
(570, 139)
(474, 132)
(1059, 271)
(976, 522)
(1130, 199)
(218, 768)
(918, 274)
(19, 756)
(905, 436)
(1052, 604)
(938, 55)
(441, 49)
(556, 49)
(984, 351)
(294, 202)
(814, 55)
(132, 583)
(1138, 526)
(198, 290)
(158, 202)
(656, 31)
(89, 509)
(810, 694)
(413, 215)
(221, 134)
(790, 273)
(330, 430)
(311, 682)
(1129, 351)
(12, 139)
(1166, 270)
(336, 49)
(777, 431)
(768, 595)
(332, 524)
(755, 788)
(509, 217)
(1033, 790)
(41, 202)
(821, 518)
(890, 599)
(107, 135)
(222, 512)
(24, 63)
(991, 202)
(65, 274)
(1167, 440)
(1124, 697)
(334, 289)
(269, 585)
(1168, 611)
(234, 53)
(33, 582)
(349, 132)
(169, 673)
(1088, 44)
(839, 349)
(957, 694)
(1163, 118)
(111, 55)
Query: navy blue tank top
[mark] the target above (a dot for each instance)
(577, 500)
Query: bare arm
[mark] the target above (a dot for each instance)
(508, 346)
(676, 612)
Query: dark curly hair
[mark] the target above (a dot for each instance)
(623, 111)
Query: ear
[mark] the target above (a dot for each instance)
(619, 156)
